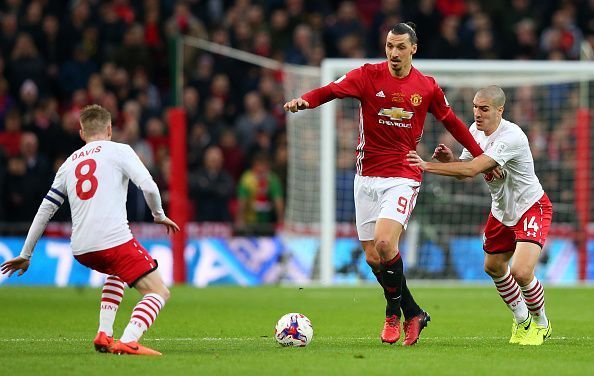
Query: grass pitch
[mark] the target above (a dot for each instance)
(229, 331)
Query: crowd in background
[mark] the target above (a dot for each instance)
(58, 56)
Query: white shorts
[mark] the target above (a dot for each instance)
(376, 197)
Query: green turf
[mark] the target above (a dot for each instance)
(228, 330)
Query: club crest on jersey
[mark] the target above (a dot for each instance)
(416, 99)
(396, 113)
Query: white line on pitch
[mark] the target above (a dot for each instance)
(247, 339)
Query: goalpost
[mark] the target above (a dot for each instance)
(551, 101)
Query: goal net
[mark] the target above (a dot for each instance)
(550, 101)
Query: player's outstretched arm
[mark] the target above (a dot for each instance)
(469, 169)
(18, 263)
(296, 104)
(444, 155)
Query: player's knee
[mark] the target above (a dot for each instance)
(382, 247)
(494, 270)
(522, 274)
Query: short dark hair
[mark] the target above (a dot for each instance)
(406, 28)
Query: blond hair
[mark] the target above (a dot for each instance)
(94, 119)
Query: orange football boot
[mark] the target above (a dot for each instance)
(133, 348)
(103, 343)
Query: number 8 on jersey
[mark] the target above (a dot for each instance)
(86, 176)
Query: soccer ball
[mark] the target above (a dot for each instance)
(293, 329)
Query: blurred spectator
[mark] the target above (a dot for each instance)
(27, 180)
(389, 11)
(72, 28)
(111, 30)
(301, 47)
(524, 44)
(6, 100)
(255, 120)
(75, 73)
(447, 44)
(133, 53)
(50, 48)
(346, 24)
(28, 99)
(447, 8)
(146, 93)
(155, 136)
(184, 22)
(483, 47)
(26, 64)
(518, 11)
(260, 197)
(211, 188)
(262, 144)
(279, 28)
(562, 35)
(130, 135)
(198, 141)
(280, 161)
(213, 117)
(31, 22)
(427, 18)
(191, 104)
(8, 34)
(10, 138)
(69, 138)
(232, 154)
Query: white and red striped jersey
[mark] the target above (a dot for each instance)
(392, 114)
(95, 181)
(520, 189)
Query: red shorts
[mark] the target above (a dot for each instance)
(129, 261)
(533, 227)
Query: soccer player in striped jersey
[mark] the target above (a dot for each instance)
(94, 180)
(520, 214)
(394, 101)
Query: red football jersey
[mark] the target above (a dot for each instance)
(392, 115)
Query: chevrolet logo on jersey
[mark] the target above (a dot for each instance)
(395, 113)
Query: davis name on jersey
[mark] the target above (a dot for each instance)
(85, 153)
(520, 188)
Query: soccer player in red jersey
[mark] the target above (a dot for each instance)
(395, 99)
(94, 180)
(520, 215)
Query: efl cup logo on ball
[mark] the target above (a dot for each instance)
(293, 329)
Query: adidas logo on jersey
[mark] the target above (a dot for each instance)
(380, 94)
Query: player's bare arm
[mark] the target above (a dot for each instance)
(444, 154)
(296, 104)
(482, 163)
(18, 263)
